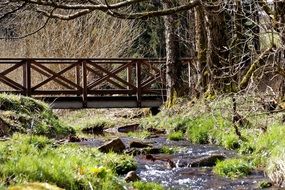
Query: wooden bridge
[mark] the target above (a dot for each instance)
(86, 83)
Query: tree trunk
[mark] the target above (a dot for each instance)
(174, 83)
(217, 54)
(201, 49)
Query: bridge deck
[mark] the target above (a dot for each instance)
(103, 102)
(86, 83)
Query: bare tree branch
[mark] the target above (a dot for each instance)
(164, 12)
(12, 11)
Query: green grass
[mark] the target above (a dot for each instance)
(27, 115)
(198, 130)
(139, 185)
(169, 150)
(175, 136)
(233, 168)
(35, 158)
(35, 186)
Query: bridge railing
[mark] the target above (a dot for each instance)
(82, 77)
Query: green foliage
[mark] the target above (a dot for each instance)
(27, 115)
(33, 158)
(267, 142)
(233, 168)
(199, 128)
(139, 185)
(231, 141)
(175, 135)
(168, 150)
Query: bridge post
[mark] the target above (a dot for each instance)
(84, 82)
(27, 77)
(138, 83)
(129, 76)
(78, 78)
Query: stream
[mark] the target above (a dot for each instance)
(182, 176)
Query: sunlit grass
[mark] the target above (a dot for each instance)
(32, 158)
(27, 115)
(233, 168)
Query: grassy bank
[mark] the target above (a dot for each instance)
(30, 116)
(260, 143)
(27, 158)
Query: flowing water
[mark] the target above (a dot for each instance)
(183, 176)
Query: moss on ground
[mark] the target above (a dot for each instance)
(27, 115)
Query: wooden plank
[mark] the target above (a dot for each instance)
(55, 92)
(11, 83)
(111, 92)
(111, 74)
(47, 74)
(108, 79)
(56, 75)
(10, 69)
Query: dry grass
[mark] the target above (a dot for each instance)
(94, 35)
(276, 168)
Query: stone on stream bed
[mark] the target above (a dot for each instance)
(132, 176)
(137, 144)
(94, 129)
(115, 145)
(156, 131)
(123, 129)
(207, 161)
(129, 128)
(143, 151)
